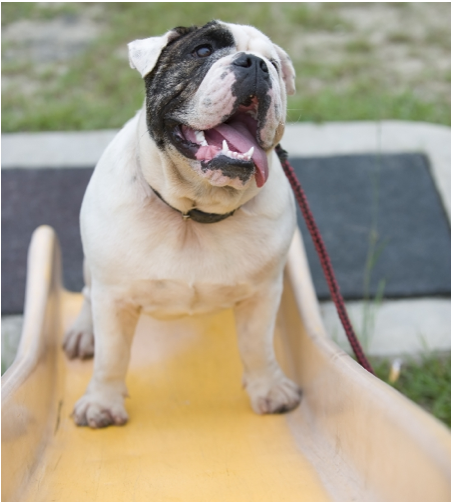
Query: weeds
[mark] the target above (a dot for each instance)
(427, 382)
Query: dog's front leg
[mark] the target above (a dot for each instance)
(269, 389)
(114, 326)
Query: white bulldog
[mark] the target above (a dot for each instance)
(188, 211)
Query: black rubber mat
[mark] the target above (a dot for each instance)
(385, 208)
(32, 197)
(346, 193)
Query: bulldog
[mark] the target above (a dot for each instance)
(188, 211)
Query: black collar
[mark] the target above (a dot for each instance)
(198, 215)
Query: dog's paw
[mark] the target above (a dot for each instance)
(79, 341)
(98, 411)
(273, 396)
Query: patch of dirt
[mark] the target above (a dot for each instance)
(44, 42)
(43, 47)
(405, 45)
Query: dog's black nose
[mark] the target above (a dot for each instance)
(253, 63)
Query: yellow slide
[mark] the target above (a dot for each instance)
(192, 435)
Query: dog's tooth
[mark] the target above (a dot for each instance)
(250, 152)
(199, 135)
(225, 147)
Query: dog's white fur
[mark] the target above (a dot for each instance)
(142, 256)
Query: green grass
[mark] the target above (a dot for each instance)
(426, 382)
(359, 45)
(98, 89)
(400, 37)
(354, 104)
(15, 11)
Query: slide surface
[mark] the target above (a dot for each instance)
(192, 435)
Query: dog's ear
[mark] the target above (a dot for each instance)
(289, 74)
(144, 53)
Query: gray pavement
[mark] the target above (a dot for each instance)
(394, 327)
(405, 326)
(83, 148)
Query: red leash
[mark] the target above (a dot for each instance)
(324, 258)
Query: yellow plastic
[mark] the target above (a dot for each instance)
(192, 435)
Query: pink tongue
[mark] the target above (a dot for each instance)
(240, 138)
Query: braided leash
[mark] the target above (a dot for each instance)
(323, 257)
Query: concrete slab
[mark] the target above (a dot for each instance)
(83, 148)
(407, 326)
(394, 328)
(336, 138)
(60, 149)
(400, 327)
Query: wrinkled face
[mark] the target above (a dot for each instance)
(216, 99)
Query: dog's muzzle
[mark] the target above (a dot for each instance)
(234, 144)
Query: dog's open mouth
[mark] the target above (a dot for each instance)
(230, 143)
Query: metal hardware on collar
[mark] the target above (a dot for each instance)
(197, 215)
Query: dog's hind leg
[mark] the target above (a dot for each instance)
(79, 339)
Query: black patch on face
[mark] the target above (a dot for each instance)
(233, 168)
(178, 74)
(184, 30)
(188, 149)
(252, 79)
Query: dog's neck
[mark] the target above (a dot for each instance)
(180, 186)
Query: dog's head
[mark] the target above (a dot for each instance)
(215, 98)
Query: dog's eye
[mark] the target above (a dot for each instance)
(274, 64)
(203, 51)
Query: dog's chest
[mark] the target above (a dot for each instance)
(173, 298)
(178, 268)
(182, 275)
